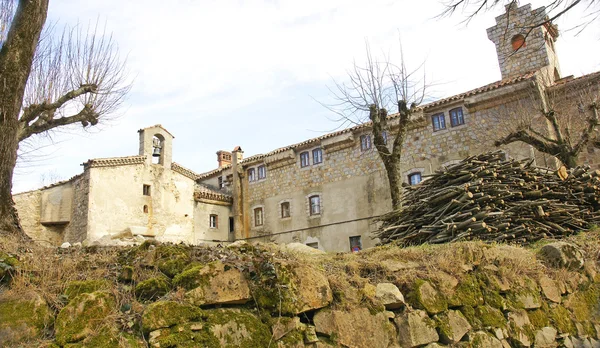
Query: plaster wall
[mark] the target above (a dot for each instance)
(203, 232)
(117, 202)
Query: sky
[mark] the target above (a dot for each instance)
(218, 74)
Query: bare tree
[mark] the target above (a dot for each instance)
(370, 91)
(559, 120)
(49, 79)
(554, 8)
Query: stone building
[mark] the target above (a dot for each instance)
(325, 192)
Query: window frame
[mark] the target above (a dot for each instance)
(289, 210)
(462, 117)
(147, 190)
(411, 175)
(359, 238)
(317, 204)
(304, 155)
(365, 142)
(251, 174)
(318, 151)
(438, 116)
(262, 168)
(259, 214)
(215, 218)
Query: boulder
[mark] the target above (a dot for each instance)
(550, 289)
(520, 328)
(237, 328)
(452, 326)
(172, 259)
(215, 283)
(389, 295)
(65, 245)
(283, 326)
(545, 337)
(312, 289)
(484, 340)
(302, 248)
(7, 266)
(84, 316)
(164, 314)
(415, 328)
(562, 254)
(153, 288)
(23, 318)
(428, 298)
(78, 287)
(355, 328)
(396, 266)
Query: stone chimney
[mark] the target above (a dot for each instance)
(224, 158)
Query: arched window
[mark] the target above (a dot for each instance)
(158, 142)
(518, 42)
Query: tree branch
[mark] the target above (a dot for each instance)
(585, 137)
(527, 138)
(87, 116)
(33, 111)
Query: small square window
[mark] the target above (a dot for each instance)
(456, 117)
(313, 245)
(365, 142)
(315, 205)
(355, 244)
(213, 221)
(439, 122)
(258, 216)
(262, 172)
(146, 190)
(304, 159)
(251, 175)
(220, 179)
(414, 178)
(285, 210)
(317, 156)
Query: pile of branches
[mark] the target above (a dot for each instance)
(487, 198)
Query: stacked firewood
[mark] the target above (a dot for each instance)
(487, 198)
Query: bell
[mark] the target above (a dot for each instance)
(156, 152)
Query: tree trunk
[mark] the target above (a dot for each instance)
(392, 169)
(16, 57)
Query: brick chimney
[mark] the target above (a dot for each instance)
(224, 158)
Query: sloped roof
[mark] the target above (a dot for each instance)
(159, 126)
(176, 167)
(204, 192)
(114, 161)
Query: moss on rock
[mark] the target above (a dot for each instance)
(78, 287)
(84, 315)
(152, 288)
(23, 318)
(164, 314)
(467, 292)
(561, 320)
(194, 277)
(490, 316)
(425, 296)
(238, 328)
(172, 259)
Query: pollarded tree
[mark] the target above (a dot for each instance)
(49, 80)
(371, 90)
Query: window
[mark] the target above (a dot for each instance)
(384, 135)
(285, 210)
(220, 179)
(258, 216)
(262, 172)
(414, 178)
(439, 122)
(313, 245)
(317, 156)
(365, 142)
(213, 221)
(304, 159)
(146, 190)
(355, 244)
(518, 42)
(456, 117)
(251, 174)
(315, 205)
(145, 209)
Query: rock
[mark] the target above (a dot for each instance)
(23, 317)
(215, 283)
(65, 245)
(164, 314)
(301, 248)
(428, 298)
(519, 327)
(237, 328)
(550, 289)
(452, 326)
(77, 245)
(283, 326)
(126, 274)
(415, 328)
(356, 328)
(172, 259)
(310, 335)
(237, 244)
(78, 287)
(484, 340)
(434, 345)
(312, 288)
(528, 300)
(389, 295)
(8, 264)
(152, 288)
(489, 316)
(562, 254)
(467, 293)
(395, 266)
(546, 337)
(139, 239)
(126, 233)
(84, 316)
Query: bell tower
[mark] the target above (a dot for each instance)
(156, 143)
(524, 40)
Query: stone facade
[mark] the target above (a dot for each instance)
(326, 192)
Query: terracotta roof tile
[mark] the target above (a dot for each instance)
(159, 126)
(203, 192)
(114, 161)
(176, 167)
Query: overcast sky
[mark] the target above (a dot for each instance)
(223, 73)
